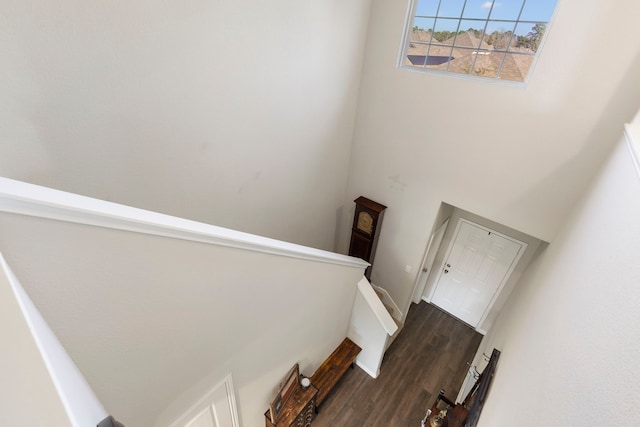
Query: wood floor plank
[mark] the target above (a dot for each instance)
(429, 354)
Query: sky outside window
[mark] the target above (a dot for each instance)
(534, 10)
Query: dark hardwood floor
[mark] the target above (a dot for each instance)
(429, 354)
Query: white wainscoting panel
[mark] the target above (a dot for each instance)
(215, 409)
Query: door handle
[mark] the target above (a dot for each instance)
(446, 271)
(448, 265)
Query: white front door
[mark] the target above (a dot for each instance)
(477, 264)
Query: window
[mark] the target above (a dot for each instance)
(497, 39)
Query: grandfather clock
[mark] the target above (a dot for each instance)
(366, 228)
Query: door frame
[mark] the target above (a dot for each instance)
(429, 258)
(506, 278)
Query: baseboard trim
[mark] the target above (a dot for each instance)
(364, 368)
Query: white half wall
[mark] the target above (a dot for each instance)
(370, 327)
(517, 156)
(569, 334)
(153, 323)
(234, 113)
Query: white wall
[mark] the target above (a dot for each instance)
(236, 113)
(154, 323)
(517, 156)
(372, 339)
(569, 334)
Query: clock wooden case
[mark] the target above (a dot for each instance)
(367, 220)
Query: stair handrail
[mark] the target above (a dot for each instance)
(23, 198)
(386, 299)
(632, 137)
(376, 305)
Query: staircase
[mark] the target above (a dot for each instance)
(393, 310)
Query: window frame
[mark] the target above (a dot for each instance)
(406, 39)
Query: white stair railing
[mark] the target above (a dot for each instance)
(370, 327)
(80, 404)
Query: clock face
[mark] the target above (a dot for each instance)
(365, 222)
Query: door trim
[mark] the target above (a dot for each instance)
(506, 278)
(435, 241)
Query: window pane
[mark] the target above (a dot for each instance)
(538, 10)
(421, 31)
(507, 9)
(439, 54)
(471, 34)
(416, 55)
(439, 57)
(427, 8)
(528, 37)
(477, 9)
(451, 8)
(487, 64)
(499, 34)
(516, 67)
(445, 30)
(462, 60)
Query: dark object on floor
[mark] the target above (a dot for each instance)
(110, 422)
(468, 412)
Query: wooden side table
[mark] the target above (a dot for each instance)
(456, 414)
(298, 410)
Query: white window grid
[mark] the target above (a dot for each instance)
(433, 42)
